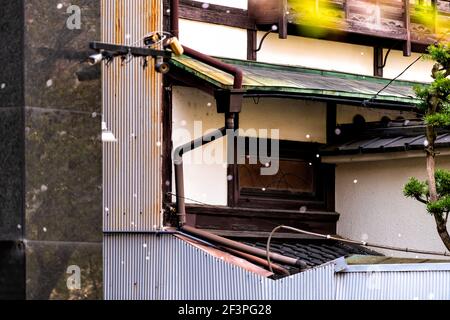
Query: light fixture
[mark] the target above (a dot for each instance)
(107, 135)
(95, 59)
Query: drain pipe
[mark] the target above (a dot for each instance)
(179, 174)
(244, 248)
(234, 102)
(174, 22)
(181, 206)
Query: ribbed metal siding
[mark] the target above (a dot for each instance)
(131, 109)
(406, 285)
(151, 267)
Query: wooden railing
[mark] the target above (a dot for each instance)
(418, 22)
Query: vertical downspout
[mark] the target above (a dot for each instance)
(229, 115)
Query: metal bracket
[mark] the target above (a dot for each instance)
(122, 50)
(107, 52)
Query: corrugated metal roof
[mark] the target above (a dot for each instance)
(265, 77)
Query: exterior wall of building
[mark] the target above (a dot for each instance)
(213, 39)
(318, 54)
(50, 151)
(295, 119)
(132, 166)
(396, 63)
(202, 182)
(63, 183)
(241, 4)
(301, 51)
(375, 210)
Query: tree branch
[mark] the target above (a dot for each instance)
(421, 200)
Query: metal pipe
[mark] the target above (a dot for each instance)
(174, 16)
(179, 173)
(236, 72)
(244, 248)
(174, 21)
(257, 260)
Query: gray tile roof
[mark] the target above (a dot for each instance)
(313, 252)
(388, 139)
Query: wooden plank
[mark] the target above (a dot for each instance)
(215, 14)
(243, 221)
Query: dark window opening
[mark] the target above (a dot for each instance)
(301, 183)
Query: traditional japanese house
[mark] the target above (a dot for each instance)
(318, 94)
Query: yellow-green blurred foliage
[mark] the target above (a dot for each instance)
(317, 14)
(426, 15)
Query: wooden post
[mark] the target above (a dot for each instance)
(407, 19)
(331, 122)
(282, 22)
(252, 36)
(378, 61)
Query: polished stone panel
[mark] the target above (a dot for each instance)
(11, 174)
(12, 270)
(63, 176)
(55, 76)
(52, 270)
(11, 53)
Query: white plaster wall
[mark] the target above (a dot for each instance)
(318, 54)
(208, 182)
(375, 210)
(295, 119)
(396, 63)
(203, 182)
(241, 4)
(213, 39)
(345, 114)
(336, 56)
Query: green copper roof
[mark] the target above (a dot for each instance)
(265, 77)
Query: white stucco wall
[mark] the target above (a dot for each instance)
(337, 56)
(396, 63)
(318, 54)
(208, 182)
(203, 182)
(375, 210)
(295, 119)
(213, 39)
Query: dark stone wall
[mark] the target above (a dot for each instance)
(11, 120)
(12, 271)
(51, 146)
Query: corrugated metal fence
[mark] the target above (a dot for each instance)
(393, 285)
(132, 111)
(146, 266)
(163, 267)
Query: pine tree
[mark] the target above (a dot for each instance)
(435, 105)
